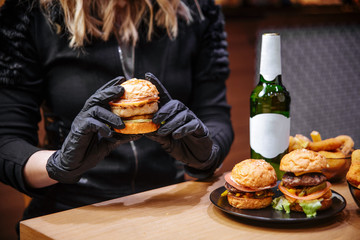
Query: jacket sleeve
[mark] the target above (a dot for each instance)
(211, 71)
(20, 93)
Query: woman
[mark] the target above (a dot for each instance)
(65, 56)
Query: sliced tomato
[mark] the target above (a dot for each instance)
(312, 196)
(240, 187)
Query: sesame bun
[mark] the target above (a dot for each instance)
(137, 106)
(138, 127)
(254, 173)
(248, 203)
(302, 160)
(325, 204)
(138, 90)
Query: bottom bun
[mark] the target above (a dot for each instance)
(325, 204)
(138, 128)
(248, 203)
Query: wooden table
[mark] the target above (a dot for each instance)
(181, 211)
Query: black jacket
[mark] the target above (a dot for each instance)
(37, 68)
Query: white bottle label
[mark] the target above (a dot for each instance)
(269, 134)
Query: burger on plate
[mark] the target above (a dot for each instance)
(304, 186)
(137, 106)
(249, 184)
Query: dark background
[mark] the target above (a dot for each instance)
(244, 24)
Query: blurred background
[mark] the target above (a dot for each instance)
(321, 70)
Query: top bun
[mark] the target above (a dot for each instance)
(254, 173)
(303, 160)
(138, 89)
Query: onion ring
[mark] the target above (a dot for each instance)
(325, 145)
(347, 143)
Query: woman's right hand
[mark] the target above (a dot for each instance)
(91, 138)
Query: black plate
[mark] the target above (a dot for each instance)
(274, 216)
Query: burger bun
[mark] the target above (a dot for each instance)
(303, 160)
(137, 106)
(254, 173)
(138, 127)
(326, 203)
(248, 203)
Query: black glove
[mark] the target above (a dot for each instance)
(90, 138)
(184, 136)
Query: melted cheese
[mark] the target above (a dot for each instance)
(302, 173)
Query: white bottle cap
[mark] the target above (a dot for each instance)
(270, 62)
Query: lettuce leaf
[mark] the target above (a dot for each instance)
(138, 120)
(281, 203)
(310, 207)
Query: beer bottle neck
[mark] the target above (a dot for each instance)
(270, 60)
(276, 81)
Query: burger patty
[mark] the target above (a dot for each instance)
(258, 194)
(129, 110)
(230, 188)
(289, 180)
(145, 116)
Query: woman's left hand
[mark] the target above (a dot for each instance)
(182, 134)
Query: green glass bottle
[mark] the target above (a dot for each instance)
(270, 107)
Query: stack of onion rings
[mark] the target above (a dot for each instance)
(337, 151)
(342, 143)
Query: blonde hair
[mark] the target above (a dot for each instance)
(84, 19)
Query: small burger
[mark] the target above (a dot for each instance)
(304, 186)
(137, 106)
(249, 184)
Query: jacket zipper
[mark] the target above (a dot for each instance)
(129, 75)
(133, 180)
(128, 70)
